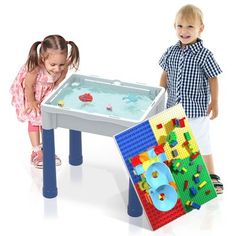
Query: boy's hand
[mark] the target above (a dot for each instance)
(33, 107)
(213, 110)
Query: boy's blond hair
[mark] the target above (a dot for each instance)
(190, 12)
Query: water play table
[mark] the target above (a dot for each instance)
(115, 106)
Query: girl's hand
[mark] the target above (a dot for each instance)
(33, 106)
(213, 110)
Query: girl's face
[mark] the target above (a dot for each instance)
(188, 30)
(55, 62)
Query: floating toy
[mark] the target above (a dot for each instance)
(75, 84)
(109, 107)
(61, 103)
(131, 98)
(87, 97)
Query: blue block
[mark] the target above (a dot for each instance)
(177, 123)
(193, 190)
(173, 143)
(196, 180)
(195, 205)
(151, 153)
(139, 169)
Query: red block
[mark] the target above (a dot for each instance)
(135, 161)
(173, 121)
(159, 126)
(185, 184)
(185, 143)
(158, 149)
(181, 122)
(193, 156)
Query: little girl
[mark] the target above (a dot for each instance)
(45, 68)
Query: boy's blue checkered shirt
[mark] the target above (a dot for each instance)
(189, 70)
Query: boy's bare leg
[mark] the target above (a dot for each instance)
(209, 163)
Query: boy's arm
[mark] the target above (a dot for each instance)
(213, 106)
(163, 80)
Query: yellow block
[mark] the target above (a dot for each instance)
(143, 157)
(202, 184)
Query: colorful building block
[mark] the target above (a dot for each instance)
(193, 190)
(159, 149)
(199, 168)
(202, 184)
(174, 153)
(135, 161)
(196, 178)
(187, 136)
(185, 184)
(143, 157)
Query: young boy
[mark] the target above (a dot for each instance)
(190, 77)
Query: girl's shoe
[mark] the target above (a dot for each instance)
(58, 160)
(37, 159)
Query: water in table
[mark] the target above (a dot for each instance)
(127, 104)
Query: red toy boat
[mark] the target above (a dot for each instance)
(87, 97)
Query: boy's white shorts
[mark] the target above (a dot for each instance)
(201, 128)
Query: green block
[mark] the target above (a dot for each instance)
(171, 137)
(187, 136)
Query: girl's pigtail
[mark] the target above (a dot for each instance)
(33, 60)
(74, 57)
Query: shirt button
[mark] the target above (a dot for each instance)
(178, 100)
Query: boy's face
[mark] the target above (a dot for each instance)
(55, 62)
(188, 30)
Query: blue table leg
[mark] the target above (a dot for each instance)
(49, 165)
(75, 156)
(134, 207)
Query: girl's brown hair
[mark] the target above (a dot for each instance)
(55, 42)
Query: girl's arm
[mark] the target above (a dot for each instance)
(213, 106)
(163, 80)
(32, 104)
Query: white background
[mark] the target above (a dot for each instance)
(118, 40)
